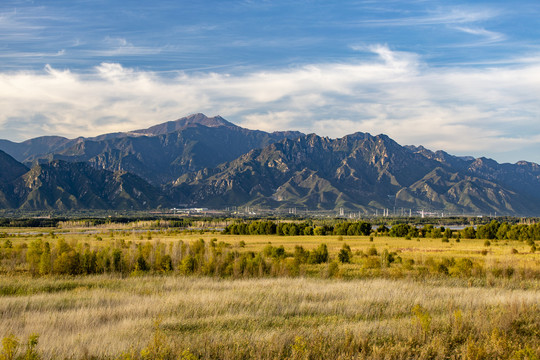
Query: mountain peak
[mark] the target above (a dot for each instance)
(182, 123)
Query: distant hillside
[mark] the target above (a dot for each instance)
(26, 151)
(10, 169)
(162, 153)
(211, 162)
(64, 186)
(364, 172)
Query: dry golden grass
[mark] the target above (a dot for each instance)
(375, 313)
(105, 316)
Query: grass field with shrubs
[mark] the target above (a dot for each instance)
(151, 291)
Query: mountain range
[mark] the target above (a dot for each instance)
(210, 162)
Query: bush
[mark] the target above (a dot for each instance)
(11, 345)
(67, 263)
(333, 269)
(319, 255)
(372, 263)
(372, 251)
(345, 254)
(319, 230)
(401, 230)
(300, 255)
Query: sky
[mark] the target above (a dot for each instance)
(459, 76)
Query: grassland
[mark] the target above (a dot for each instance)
(407, 308)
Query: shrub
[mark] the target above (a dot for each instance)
(409, 263)
(442, 269)
(165, 264)
(300, 255)
(386, 258)
(11, 344)
(422, 318)
(319, 255)
(462, 267)
(345, 254)
(67, 263)
(372, 251)
(319, 230)
(188, 265)
(140, 263)
(333, 269)
(372, 263)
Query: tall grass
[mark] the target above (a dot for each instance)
(174, 317)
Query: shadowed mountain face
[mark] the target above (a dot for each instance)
(364, 172)
(27, 151)
(164, 152)
(211, 162)
(10, 169)
(61, 185)
(357, 171)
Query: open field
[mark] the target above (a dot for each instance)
(271, 318)
(370, 256)
(240, 296)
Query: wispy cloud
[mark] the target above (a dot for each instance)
(489, 36)
(461, 110)
(117, 46)
(441, 16)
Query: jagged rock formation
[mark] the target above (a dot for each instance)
(211, 162)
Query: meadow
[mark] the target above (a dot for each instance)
(143, 291)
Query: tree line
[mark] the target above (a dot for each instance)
(294, 229)
(492, 230)
(211, 258)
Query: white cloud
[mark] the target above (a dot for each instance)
(441, 16)
(480, 111)
(489, 36)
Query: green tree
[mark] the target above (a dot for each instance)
(345, 254)
(319, 255)
(45, 259)
(33, 255)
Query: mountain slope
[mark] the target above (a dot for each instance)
(364, 172)
(63, 186)
(456, 192)
(107, 151)
(163, 158)
(10, 169)
(356, 171)
(211, 162)
(26, 151)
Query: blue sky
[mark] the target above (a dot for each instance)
(463, 76)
